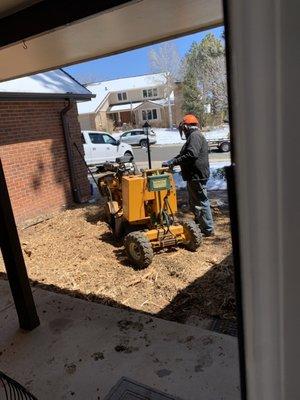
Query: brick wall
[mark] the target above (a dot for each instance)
(33, 153)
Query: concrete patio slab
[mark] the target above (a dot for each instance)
(82, 349)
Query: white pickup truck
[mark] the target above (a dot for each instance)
(100, 147)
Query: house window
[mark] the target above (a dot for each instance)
(122, 96)
(149, 93)
(149, 114)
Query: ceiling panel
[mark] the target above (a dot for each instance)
(124, 28)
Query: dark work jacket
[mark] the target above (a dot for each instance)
(193, 157)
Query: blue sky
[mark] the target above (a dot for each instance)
(131, 63)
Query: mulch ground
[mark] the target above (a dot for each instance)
(74, 252)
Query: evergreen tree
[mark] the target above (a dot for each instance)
(192, 103)
(204, 80)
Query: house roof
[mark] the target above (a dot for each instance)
(102, 89)
(57, 83)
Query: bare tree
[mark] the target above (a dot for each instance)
(217, 83)
(166, 60)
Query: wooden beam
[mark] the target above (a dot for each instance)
(14, 261)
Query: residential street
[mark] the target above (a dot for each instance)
(160, 153)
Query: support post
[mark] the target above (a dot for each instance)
(235, 238)
(146, 128)
(14, 261)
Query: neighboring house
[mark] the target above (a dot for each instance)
(38, 128)
(131, 101)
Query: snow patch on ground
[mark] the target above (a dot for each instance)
(167, 136)
(216, 181)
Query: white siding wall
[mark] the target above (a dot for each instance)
(135, 95)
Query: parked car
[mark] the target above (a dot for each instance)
(138, 137)
(218, 139)
(100, 147)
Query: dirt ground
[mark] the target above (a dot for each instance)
(74, 252)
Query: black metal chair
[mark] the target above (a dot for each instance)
(12, 390)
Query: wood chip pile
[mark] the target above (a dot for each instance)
(74, 252)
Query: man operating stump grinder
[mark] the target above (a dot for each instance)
(193, 160)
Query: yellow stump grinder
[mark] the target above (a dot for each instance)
(141, 208)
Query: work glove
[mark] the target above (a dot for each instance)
(168, 163)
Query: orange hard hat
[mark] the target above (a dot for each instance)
(190, 119)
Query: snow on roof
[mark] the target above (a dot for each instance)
(124, 107)
(51, 82)
(102, 89)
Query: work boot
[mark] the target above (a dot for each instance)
(203, 231)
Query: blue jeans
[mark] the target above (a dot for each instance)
(200, 205)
